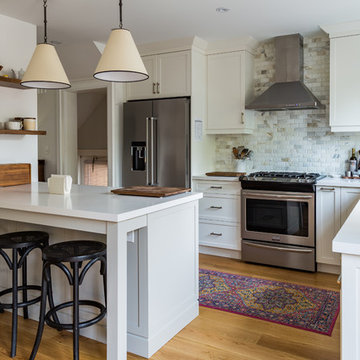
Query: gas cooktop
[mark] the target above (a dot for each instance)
(280, 181)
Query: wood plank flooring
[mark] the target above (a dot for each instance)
(214, 335)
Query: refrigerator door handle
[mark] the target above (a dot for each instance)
(154, 139)
(148, 154)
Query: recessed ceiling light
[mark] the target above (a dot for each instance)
(222, 10)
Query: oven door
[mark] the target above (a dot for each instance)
(279, 217)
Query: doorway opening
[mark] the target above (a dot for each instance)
(92, 137)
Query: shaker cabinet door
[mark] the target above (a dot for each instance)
(345, 83)
(327, 223)
(144, 89)
(349, 198)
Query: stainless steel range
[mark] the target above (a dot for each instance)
(278, 219)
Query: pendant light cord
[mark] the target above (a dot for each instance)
(45, 22)
(120, 9)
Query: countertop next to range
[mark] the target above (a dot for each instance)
(216, 178)
(340, 182)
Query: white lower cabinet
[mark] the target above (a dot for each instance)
(333, 206)
(327, 223)
(219, 216)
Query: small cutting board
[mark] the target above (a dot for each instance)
(225, 173)
(150, 191)
(15, 174)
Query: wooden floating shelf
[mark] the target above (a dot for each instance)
(10, 82)
(23, 132)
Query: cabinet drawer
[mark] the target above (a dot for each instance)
(218, 187)
(219, 208)
(221, 236)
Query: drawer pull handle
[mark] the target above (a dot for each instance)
(216, 207)
(327, 189)
(215, 187)
(215, 234)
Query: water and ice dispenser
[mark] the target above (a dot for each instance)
(138, 155)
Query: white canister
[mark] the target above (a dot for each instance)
(60, 184)
(29, 124)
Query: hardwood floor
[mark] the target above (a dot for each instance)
(214, 335)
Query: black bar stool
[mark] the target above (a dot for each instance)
(21, 244)
(75, 253)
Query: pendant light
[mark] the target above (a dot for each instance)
(45, 70)
(121, 61)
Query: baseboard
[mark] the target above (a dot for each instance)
(147, 347)
(328, 268)
(233, 254)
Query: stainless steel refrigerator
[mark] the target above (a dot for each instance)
(157, 142)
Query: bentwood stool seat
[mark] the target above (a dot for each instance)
(74, 253)
(21, 244)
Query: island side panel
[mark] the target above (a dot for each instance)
(350, 307)
(172, 274)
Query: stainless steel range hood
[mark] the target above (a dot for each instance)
(289, 92)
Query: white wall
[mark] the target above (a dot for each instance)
(48, 108)
(17, 41)
(202, 151)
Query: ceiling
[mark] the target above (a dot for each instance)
(75, 21)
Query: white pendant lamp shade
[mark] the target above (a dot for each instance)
(45, 70)
(121, 61)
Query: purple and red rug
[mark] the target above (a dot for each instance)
(303, 307)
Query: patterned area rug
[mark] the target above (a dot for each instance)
(288, 304)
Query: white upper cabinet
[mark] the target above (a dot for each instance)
(144, 89)
(169, 76)
(230, 86)
(344, 76)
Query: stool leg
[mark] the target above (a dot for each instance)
(44, 291)
(51, 298)
(76, 311)
(14, 303)
(24, 282)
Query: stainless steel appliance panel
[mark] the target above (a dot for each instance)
(135, 119)
(171, 128)
(159, 130)
(278, 255)
(280, 217)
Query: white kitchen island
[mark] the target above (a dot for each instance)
(347, 242)
(152, 255)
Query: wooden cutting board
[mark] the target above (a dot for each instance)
(225, 173)
(15, 174)
(150, 191)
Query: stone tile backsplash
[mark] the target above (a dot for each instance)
(298, 140)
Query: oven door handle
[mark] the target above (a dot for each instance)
(277, 196)
(279, 248)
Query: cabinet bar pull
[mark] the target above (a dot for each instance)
(158, 88)
(154, 88)
(327, 189)
(215, 187)
(216, 207)
(216, 234)
(242, 118)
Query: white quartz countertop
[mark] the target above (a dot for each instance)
(347, 240)
(216, 178)
(90, 202)
(328, 181)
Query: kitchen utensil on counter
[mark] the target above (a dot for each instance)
(60, 184)
(150, 191)
(15, 174)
